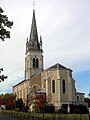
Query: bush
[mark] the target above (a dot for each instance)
(19, 104)
(61, 111)
(49, 109)
(25, 109)
(16, 109)
(8, 107)
(79, 109)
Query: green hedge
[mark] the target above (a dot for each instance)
(39, 116)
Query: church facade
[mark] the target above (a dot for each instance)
(56, 82)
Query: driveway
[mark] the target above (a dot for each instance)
(3, 117)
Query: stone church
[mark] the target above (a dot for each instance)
(56, 82)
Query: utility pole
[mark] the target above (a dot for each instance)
(2, 77)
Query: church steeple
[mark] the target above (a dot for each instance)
(34, 52)
(34, 43)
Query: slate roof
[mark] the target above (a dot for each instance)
(19, 83)
(59, 66)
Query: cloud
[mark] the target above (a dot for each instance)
(13, 78)
(64, 26)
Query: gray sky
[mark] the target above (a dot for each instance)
(65, 29)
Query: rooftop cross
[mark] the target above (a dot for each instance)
(33, 5)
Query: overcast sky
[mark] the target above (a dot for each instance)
(65, 29)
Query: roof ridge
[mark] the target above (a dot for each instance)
(58, 65)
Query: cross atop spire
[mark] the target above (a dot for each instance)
(34, 5)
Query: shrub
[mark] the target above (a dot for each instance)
(79, 109)
(49, 109)
(19, 104)
(62, 110)
(25, 109)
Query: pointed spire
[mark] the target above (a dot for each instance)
(27, 40)
(32, 42)
(40, 42)
(27, 43)
(34, 35)
(40, 39)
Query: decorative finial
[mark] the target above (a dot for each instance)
(27, 39)
(40, 42)
(33, 5)
(40, 39)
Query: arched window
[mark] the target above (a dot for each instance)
(78, 98)
(53, 86)
(33, 62)
(63, 85)
(37, 63)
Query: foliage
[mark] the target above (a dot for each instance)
(88, 101)
(4, 24)
(38, 101)
(62, 111)
(36, 108)
(25, 108)
(4, 98)
(2, 77)
(38, 116)
(48, 108)
(79, 109)
(89, 94)
(8, 100)
(19, 104)
(10, 105)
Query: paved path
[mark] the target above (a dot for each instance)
(3, 117)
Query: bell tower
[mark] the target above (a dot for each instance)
(33, 56)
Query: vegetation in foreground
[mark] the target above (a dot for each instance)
(11, 103)
(18, 109)
(44, 116)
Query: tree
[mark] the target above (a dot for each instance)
(19, 104)
(88, 101)
(10, 105)
(4, 23)
(6, 97)
(7, 100)
(2, 77)
(4, 33)
(89, 94)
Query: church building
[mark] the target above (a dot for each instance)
(55, 82)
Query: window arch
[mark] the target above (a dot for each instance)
(63, 85)
(35, 62)
(78, 98)
(53, 86)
